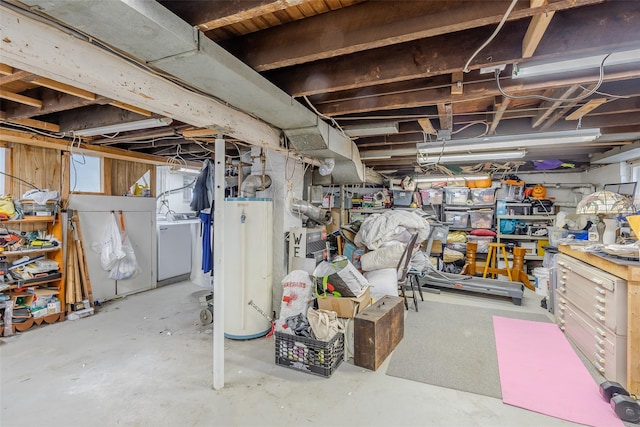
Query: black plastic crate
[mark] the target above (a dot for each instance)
(309, 355)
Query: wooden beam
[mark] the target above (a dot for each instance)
(536, 30)
(427, 127)
(52, 102)
(546, 108)
(87, 66)
(131, 108)
(609, 26)
(372, 24)
(12, 77)
(229, 13)
(559, 113)
(21, 99)
(6, 69)
(502, 105)
(38, 124)
(445, 114)
(387, 98)
(456, 83)
(64, 88)
(63, 145)
(591, 105)
(196, 133)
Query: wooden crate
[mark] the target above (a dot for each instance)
(377, 331)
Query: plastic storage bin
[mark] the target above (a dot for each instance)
(309, 355)
(482, 242)
(457, 219)
(483, 196)
(431, 196)
(481, 219)
(456, 195)
(31, 208)
(402, 197)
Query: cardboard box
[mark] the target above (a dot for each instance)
(346, 307)
(21, 298)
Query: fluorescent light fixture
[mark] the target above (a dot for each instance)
(372, 129)
(565, 65)
(376, 157)
(123, 127)
(190, 171)
(470, 157)
(448, 178)
(510, 141)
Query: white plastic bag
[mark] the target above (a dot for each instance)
(110, 247)
(297, 296)
(127, 266)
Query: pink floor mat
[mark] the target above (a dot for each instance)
(540, 371)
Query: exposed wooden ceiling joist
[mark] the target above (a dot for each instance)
(445, 55)
(537, 28)
(557, 99)
(20, 99)
(371, 25)
(502, 104)
(591, 105)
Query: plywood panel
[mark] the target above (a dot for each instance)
(124, 174)
(35, 165)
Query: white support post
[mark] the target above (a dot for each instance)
(218, 267)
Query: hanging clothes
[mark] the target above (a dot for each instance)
(203, 190)
(207, 255)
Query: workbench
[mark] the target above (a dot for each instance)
(629, 271)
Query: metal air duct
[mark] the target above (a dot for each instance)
(149, 32)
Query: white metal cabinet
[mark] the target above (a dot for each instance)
(139, 218)
(591, 308)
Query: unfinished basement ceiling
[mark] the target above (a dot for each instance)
(399, 63)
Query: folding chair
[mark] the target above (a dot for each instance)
(406, 280)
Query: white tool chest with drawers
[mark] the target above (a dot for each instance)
(591, 309)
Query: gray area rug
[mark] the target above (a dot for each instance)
(452, 346)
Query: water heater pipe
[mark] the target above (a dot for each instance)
(315, 213)
(254, 183)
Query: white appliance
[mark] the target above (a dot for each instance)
(248, 267)
(174, 248)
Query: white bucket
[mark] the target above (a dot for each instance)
(543, 283)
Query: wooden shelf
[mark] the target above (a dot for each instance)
(31, 251)
(30, 219)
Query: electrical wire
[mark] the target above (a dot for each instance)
(546, 98)
(495, 33)
(479, 122)
(635, 95)
(20, 179)
(331, 119)
(34, 130)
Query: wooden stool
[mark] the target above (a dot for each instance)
(518, 273)
(491, 265)
(470, 262)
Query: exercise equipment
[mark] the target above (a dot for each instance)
(622, 403)
(432, 277)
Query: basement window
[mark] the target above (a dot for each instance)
(86, 174)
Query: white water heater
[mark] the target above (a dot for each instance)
(248, 273)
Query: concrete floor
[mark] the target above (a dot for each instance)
(146, 360)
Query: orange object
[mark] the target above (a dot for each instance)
(538, 192)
